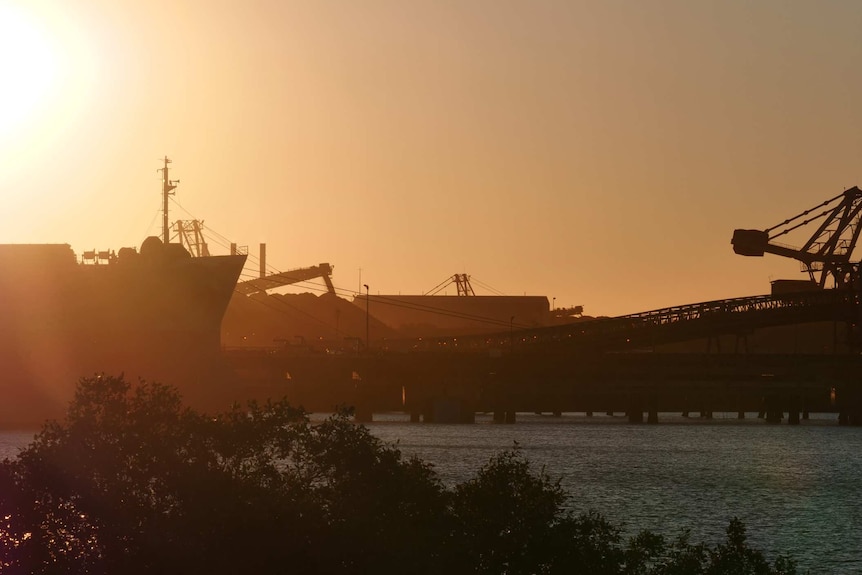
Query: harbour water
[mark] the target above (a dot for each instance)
(796, 488)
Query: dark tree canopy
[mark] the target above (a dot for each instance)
(133, 482)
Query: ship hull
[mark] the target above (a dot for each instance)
(153, 315)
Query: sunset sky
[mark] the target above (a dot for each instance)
(600, 153)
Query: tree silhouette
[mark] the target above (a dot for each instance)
(133, 482)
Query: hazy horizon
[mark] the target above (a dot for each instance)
(598, 153)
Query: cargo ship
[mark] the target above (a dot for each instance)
(151, 313)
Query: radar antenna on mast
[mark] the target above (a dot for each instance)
(168, 186)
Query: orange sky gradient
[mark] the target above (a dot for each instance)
(598, 153)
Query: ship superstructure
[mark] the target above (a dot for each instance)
(153, 313)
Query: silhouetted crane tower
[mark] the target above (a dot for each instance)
(461, 281)
(829, 249)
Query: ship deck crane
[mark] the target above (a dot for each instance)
(829, 249)
(191, 236)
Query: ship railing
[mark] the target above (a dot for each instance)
(98, 257)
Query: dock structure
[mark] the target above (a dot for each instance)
(604, 365)
(453, 387)
(619, 364)
(614, 365)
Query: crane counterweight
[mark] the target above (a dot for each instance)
(750, 242)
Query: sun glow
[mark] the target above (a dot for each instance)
(28, 65)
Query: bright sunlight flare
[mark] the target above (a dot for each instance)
(28, 67)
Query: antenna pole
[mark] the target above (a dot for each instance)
(167, 190)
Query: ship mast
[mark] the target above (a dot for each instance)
(167, 190)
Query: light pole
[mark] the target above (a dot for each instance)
(367, 341)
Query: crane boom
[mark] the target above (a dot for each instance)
(271, 281)
(827, 251)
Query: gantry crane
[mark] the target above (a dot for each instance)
(829, 249)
